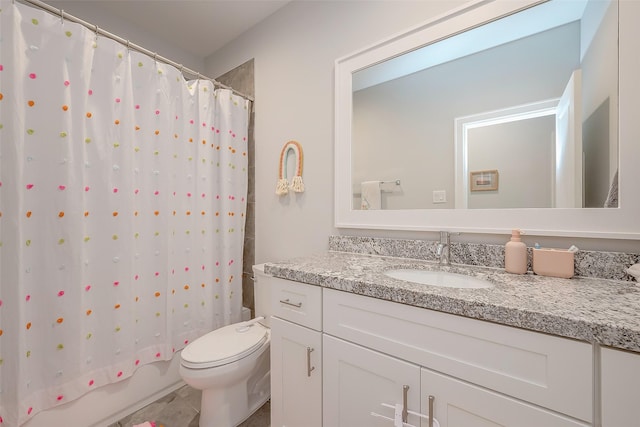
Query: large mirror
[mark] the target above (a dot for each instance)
(532, 97)
(503, 111)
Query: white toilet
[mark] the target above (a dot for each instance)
(231, 364)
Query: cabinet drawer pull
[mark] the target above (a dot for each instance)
(293, 304)
(431, 398)
(405, 410)
(400, 410)
(309, 367)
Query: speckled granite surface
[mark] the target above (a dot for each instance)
(604, 265)
(594, 310)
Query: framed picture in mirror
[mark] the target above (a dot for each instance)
(486, 180)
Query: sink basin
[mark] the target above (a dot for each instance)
(439, 278)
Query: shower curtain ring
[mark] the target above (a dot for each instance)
(62, 16)
(128, 45)
(96, 29)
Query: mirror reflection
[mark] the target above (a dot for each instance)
(518, 113)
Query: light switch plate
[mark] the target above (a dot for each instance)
(439, 196)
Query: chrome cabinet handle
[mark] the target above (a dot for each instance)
(401, 414)
(431, 398)
(293, 304)
(309, 367)
(405, 410)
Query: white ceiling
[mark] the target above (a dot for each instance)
(199, 27)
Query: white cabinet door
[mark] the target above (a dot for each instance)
(357, 381)
(620, 388)
(296, 375)
(548, 371)
(460, 404)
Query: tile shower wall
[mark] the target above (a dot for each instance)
(603, 265)
(242, 79)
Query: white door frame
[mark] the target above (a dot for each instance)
(505, 115)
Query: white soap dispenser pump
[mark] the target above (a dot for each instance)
(515, 254)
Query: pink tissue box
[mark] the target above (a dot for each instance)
(553, 262)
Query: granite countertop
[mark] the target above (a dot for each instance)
(605, 312)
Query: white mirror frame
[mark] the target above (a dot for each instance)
(616, 223)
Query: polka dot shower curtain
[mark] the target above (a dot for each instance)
(122, 198)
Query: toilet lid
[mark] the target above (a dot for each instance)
(224, 345)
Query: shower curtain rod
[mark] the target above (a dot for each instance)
(128, 44)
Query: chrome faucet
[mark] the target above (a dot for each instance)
(443, 252)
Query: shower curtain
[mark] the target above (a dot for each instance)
(122, 205)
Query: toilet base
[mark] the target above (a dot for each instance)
(230, 404)
(226, 415)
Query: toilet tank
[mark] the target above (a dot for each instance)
(262, 293)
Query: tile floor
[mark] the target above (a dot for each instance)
(182, 409)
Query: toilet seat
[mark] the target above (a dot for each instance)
(224, 345)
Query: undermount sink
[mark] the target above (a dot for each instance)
(438, 278)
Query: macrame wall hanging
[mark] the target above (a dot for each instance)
(291, 149)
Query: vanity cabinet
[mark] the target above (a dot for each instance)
(341, 359)
(479, 373)
(296, 354)
(371, 379)
(620, 379)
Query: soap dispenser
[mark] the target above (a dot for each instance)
(515, 254)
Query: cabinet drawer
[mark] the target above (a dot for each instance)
(549, 371)
(296, 302)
